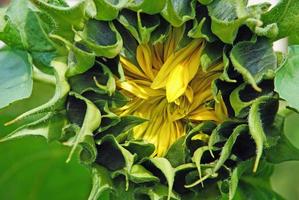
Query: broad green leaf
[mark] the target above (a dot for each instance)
(286, 81)
(283, 151)
(227, 17)
(42, 60)
(284, 14)
(55, 103)
(35, 169)
(286, 148)
(261, 114)
(254, 60)
(15, 76)
(245, 184)
(176, 12)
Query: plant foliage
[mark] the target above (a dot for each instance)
(81, 46)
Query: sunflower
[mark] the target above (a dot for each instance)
(168, 99)
(168, 88)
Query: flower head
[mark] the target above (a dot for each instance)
(169, 88)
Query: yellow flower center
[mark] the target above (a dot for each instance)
(169, 89)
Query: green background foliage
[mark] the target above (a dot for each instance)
(33, 169)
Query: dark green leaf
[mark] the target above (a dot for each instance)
(227, 17)
(254, 60)
(102, 38)
(176, 12)
(112, 155)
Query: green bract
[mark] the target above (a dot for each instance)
(80, 47)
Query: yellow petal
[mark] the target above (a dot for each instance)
(203, 115)
(189, 94)
(174, 60)
(144, 59)
(133, 88)
(220, 109)
(127, 65)
(177, 83)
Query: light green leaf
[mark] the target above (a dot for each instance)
(15, 76)
(285, 14)
(286, 79)
(165, 167)
(285, 149)
(49, 126)
(227, 148)
(245, 184)
(56, 102)
(26, 26)
(139, 174)
(261, 114)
